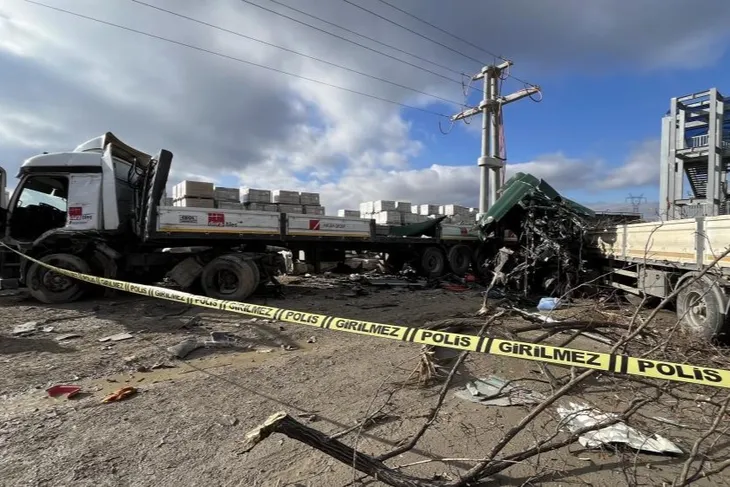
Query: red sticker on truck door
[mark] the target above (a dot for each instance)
(75, 213)
(314, 224)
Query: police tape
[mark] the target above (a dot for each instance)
(619, 364)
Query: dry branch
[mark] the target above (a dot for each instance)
(284, 424)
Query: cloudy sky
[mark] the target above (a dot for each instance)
(607, 69)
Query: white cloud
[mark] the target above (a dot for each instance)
(641, 168)
(66, 80)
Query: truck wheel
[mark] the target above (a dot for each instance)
(459, 259)
(433, 262)
(701, 308)
(230, 277)
(51, 287)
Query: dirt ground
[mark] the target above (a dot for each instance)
(187, 423)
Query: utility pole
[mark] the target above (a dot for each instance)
(636, 202)
(491, 165)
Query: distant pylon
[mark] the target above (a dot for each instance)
(636, 202)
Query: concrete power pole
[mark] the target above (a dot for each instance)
(491, 165)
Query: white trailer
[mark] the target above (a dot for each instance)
(655, 258)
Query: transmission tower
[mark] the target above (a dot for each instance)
(636, 202)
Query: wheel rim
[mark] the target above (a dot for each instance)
(55, 282)
(433, 263)
(226, 281)
(696, 313)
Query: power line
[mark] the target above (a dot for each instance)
(414, 32)
(223, 29)
(443, 30)
(371, 39)
(353, 42)
(232, 58)
(458, 38)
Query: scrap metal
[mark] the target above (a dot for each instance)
(544, 232)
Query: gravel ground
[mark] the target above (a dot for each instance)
(187, 423)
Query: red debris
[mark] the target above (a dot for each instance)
(61, 389)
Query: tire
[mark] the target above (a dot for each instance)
(460, 259)
(433, 262)
(701, 308)
(483, 254)
(51, 288)
(230, 277)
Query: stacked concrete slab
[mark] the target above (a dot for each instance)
(227, 198)
(389, 212)
(281, 200)
(196, 194)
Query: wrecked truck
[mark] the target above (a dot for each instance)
(96, 210)
(536, 238)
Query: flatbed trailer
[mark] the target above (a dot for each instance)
(97, 210)
(655, 258)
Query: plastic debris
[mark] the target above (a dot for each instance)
(220, 339)
(577, 416)
(63, 389)
(120, 394)
(548, 304)
(494, 391)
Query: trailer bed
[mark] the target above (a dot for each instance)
(688, 243)
(189, 222)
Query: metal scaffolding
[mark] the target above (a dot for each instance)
(695, 150)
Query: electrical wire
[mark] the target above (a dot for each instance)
(442, 30)
(465, 41)
(232, 58)
(244, 36)
(371, 39)
(414, 32)
(350, 41)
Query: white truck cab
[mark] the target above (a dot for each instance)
(89, 188)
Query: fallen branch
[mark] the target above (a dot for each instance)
(284, 424)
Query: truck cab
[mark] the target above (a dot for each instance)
(102, 190)
(92, 188)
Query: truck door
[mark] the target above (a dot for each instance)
(3, 202)
(84, 202)
(152, 188)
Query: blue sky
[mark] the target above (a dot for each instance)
(607, 72)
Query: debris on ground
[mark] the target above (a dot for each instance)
(494, 391)
(184, 348)
(220, 339)
(117, 338)
(63, 389)
(27, 328)
(577, 417)
(548, 304)
(120, 394)
(67, 336)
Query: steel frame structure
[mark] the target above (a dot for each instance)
(695, 148)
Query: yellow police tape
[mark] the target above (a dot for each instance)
(620, 364)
